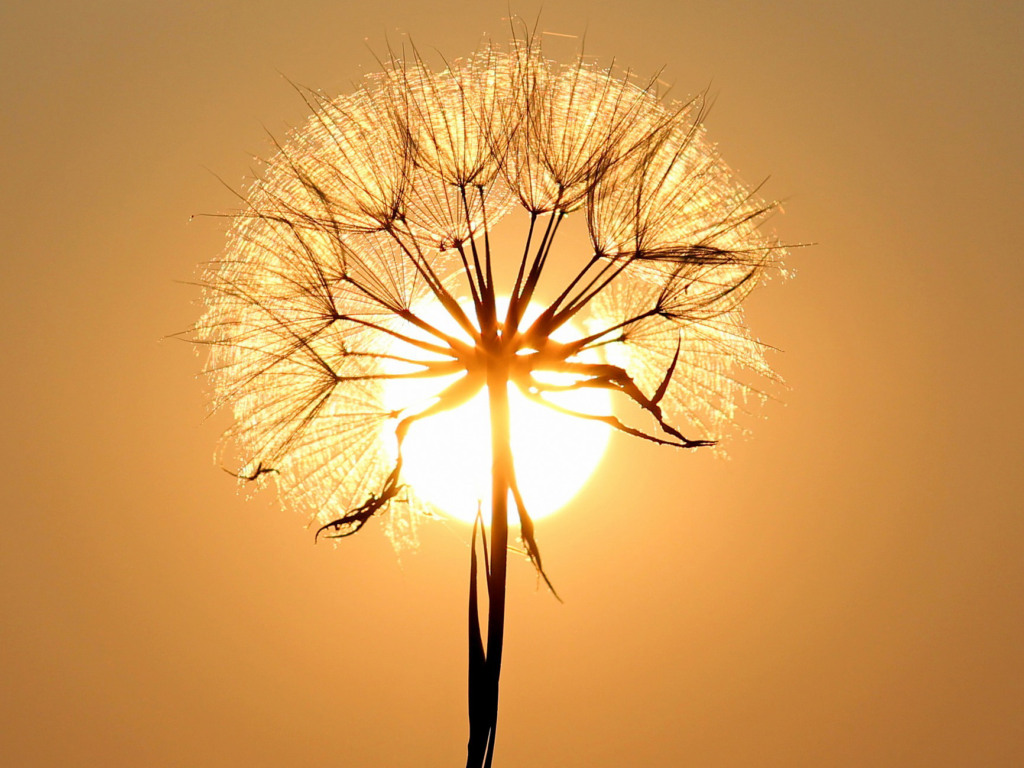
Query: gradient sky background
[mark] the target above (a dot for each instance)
(847, 590)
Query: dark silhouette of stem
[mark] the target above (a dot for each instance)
(479, 728)
(483, 683)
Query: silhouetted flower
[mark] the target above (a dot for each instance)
(382, 203)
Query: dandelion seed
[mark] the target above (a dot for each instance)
(384, 202)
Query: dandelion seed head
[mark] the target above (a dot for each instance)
(385, 199)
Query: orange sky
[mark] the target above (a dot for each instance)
(846, 590)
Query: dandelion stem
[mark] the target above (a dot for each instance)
(479, 728)
(483, 694)
(501, 458)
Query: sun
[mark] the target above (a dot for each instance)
(447, 457)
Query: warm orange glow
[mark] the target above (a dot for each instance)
(447, 458)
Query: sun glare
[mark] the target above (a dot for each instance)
(447, 457)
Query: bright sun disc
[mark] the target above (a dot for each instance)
(447, 457)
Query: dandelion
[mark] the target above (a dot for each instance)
(378, 214)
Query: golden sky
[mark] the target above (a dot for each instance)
(847, 589)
